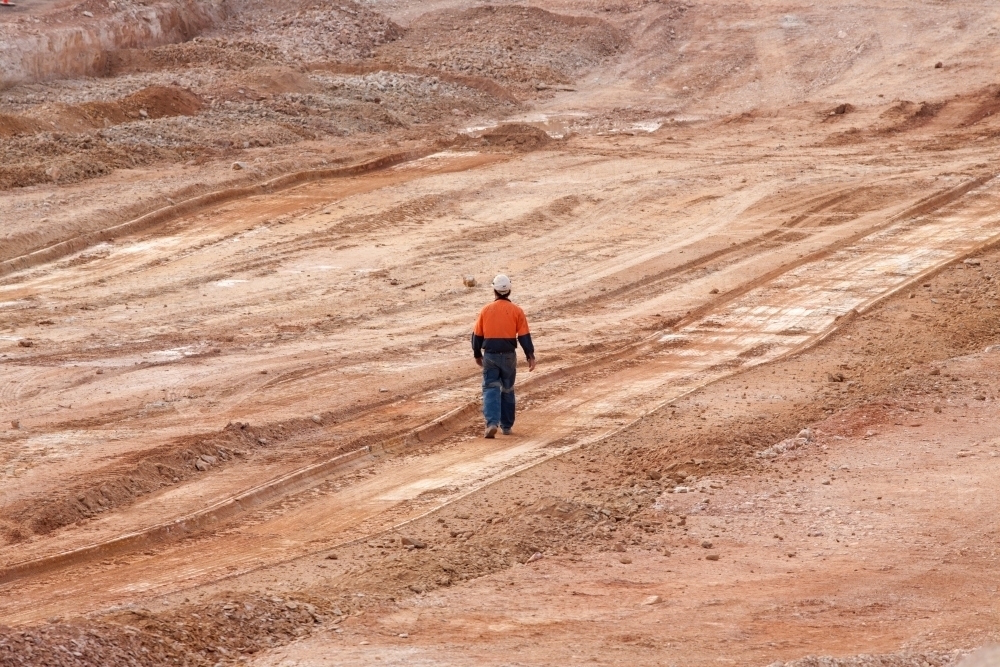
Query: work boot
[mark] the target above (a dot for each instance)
(505, 431)
(491, 431)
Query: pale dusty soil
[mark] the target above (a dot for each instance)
(217, 429)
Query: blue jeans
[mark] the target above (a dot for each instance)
(499, 370)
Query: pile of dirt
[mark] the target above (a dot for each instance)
(215, 52)
(905, 659)
(11, 126)
(151, 102)
(509, 137)
(220, 631)
(148, 103)
(310, 31)
(53, 157)
(517, 46)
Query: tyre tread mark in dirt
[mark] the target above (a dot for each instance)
(449, 423)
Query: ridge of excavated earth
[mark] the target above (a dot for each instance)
(241, 247)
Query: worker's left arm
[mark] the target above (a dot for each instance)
(524, 339)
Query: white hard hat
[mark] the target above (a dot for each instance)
(501, 284)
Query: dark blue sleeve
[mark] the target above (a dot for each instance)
(477, 346)
(529, 347)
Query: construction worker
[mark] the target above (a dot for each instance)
(500, 326)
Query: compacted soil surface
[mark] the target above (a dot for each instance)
(242, 245)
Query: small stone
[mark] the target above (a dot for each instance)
(706, 544)
(972, 261)
(715, 290)
(89, 15)
(980, 398)
(652, 599)
(791, 554)
(143, 113)
(620, 548)
(937, 409)
(333, 557)
(15, 423)
(625, 560)
(210, 460)
(461, 515)
(712, 557)
(383, 390)
(201, 465)
(469, 281)
(317, 419)
(239, 166)
(826, 482)
(26, 342)
(100, 371)
(404, 635)
(535, 557)
(291, 605)
(654, 475)
(412, 542)
(938, 65)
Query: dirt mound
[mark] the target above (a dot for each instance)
(519, 46)
(904, 659)
(238, 625)
(316, 31)
(13, 125)
(517, 137)
(151, 102)
(199, 52)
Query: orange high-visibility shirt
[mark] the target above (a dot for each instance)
(499, 328)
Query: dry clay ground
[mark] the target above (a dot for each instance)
(245, 388)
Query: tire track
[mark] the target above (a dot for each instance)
(584, 403)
